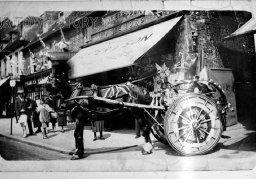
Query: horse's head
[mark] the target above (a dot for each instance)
(161, 77)
(162, 72)
(59, 85)
(139, 94)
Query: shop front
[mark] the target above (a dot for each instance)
(34, 84)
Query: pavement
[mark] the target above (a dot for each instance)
(64, 142)
(234, 152)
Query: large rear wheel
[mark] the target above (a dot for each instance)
(192, 125)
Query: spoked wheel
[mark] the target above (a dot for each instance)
(192, 125)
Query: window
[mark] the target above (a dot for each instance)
(61, 14)
(88, 34)
(61, 17)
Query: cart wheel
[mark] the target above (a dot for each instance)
(192, 125)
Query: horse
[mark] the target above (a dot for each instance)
(83, 106)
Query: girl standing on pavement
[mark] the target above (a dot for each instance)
(23, 120)
(44, 117)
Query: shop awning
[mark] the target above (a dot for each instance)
(248, 28)
(3, 81)
(119, 52)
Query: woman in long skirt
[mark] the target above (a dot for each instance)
(62, 120)
(97, 126)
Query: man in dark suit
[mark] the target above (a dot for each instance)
(80, 116)
(28, 105)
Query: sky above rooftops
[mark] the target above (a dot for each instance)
(18, 15)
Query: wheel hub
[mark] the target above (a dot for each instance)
(194, 124)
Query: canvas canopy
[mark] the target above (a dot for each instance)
(117, 53)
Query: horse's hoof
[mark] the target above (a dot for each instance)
(147, 149)
(146, 153)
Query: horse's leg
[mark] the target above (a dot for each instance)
(146, 133)
(145, 127)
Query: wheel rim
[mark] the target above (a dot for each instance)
(194, 125)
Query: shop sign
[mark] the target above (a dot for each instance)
(30, 82)
(123, 27)
(117, 18)
(12, 83)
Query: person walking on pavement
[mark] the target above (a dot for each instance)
(97, 126)
(60, 108)
(44, 117)
(62, 119)
(52, 113)
(27, 105)
(35, 116)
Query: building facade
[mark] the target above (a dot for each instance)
(199, 35)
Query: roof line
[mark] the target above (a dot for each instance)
(64, 28)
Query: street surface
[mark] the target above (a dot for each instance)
(120, 151)
(15, 150)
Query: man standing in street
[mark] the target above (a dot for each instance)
(26, 104)
(80, 115)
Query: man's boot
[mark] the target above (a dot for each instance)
(44, 134)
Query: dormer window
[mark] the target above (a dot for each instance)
(61, 14)
(61, 17)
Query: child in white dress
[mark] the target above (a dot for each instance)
(23, 121)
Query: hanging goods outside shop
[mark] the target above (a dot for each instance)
(188, 115)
